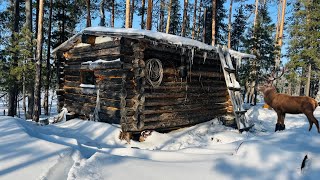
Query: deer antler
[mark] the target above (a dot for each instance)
(273, 76)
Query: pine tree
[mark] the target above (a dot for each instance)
(175, 18)
(238, 29)
(261, 44)
(304, 42)
(221, 27)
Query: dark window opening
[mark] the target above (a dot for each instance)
(87, 77)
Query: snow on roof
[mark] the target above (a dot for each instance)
(138, 33)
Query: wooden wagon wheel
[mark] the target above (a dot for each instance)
(154, 72)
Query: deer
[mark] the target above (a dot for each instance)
(283, 103)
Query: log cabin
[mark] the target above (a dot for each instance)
(142, 80)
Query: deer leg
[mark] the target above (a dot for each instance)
(283, 126)
(312, 120)
(278, 125)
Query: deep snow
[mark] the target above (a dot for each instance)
(80, 149)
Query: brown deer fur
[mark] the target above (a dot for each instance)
(283, 103)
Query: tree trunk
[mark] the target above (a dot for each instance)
(161, 24)
(127, 13)
(112, 14)
(278, 20)
(13, 90)
(199, 19)
(256, 13)
(184, 22)
(307, 89)
(28, 25)
(149, 15)
(169, 17)
(102, 14)
(48, 66)
(142, 13)
(37, 17)
(204, 25)
(29, 90)
(88, 14)
(37, 87)
(214, 11)
(131, 13)
(283, 12)
(194, 19)
(229, 24)
(29, 14)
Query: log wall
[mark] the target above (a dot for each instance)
(177, 102)
(108, 79)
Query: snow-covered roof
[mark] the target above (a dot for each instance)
(138, 33)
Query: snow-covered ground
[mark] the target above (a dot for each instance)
(79, 149)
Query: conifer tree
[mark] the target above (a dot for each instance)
(175, 18)
(304, 42)
(238, 27)
(221, 27)
(260, 42)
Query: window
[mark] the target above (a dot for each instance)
(87, 77)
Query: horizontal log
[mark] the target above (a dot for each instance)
(109, 57)
(101, 65)
(196, 108)
(92, 93)
(95, 53)
(175, 54)
(111, 73)
(108, 81)
(201, 82)
(170, 123)
(180, 101)
(175, 123)
(195, 73)
(72, 67)
(167, 95)
(72, 83)
(88, 108)
(72, 72)
(211, 113)
(72, 78)
(104, 45)
(189, 89)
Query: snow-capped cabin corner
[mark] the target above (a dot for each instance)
(141, 80)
